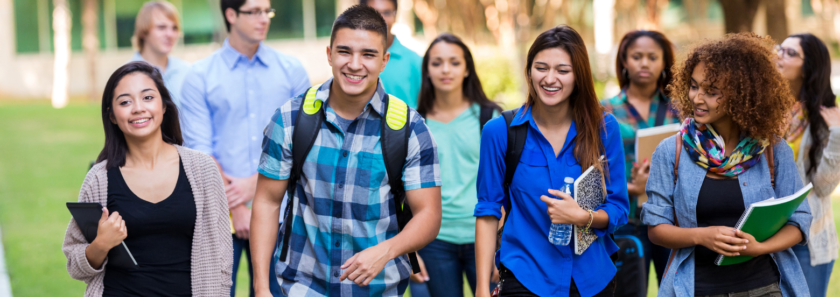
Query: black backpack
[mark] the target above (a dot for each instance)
(516, 137)
(394, 141)
(631, 273)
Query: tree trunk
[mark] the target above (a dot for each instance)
(61, 41)
(776, 20)
(90, 43)
(738, 15)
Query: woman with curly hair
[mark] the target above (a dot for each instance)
(728, 155)
(804, 61)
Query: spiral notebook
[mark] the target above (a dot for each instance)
(590, 192)
(763, 219)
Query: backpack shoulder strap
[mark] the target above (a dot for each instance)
(771, 164)
(394, 135)
(308, 122)
(484, 116)
(676, 173)
(516, 137)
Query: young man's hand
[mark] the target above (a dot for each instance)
(366, 265)
(241, 221)
(240, 190)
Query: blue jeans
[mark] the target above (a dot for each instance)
(446, 264)
(240, 245)
(817, 276)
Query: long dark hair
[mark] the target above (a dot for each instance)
(115, 146)
(472, 89)
(586, 110)
(815, 92)
(667, 57)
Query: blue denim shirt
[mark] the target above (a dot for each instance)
(755, 186)
(544, 268)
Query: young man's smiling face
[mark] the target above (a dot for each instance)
(357, 56)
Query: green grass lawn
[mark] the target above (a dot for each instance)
(44, 155)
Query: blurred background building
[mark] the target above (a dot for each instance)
(499, 31)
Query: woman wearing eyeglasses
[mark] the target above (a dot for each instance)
(814, 135)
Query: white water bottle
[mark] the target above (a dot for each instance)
(561, 234)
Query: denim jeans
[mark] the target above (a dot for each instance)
(446, 264)
(240, 245)
(816, 276)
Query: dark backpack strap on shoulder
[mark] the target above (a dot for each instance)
(394, 144)
(308, 122)
(484, 116)
(771, 164)
(516, 137)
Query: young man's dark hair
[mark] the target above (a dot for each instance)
(360, 17)
(365, 2)
(235, 4)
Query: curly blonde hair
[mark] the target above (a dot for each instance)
(742, 66)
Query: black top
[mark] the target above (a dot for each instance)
(159, 236)
(721, 203)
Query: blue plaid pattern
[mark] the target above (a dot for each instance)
(342, 203)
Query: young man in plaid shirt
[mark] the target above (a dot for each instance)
(344, 239)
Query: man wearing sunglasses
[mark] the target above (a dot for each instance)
(227, 100)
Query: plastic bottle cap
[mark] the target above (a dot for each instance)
(569, 180)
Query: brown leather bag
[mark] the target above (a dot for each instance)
(771, 163)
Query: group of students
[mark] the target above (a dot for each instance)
(380, 188)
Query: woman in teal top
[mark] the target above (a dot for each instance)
(452, 100)
(643, 65)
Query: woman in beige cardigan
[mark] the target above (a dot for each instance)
(165, 202)
(814, 134)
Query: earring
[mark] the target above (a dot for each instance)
(624, 72)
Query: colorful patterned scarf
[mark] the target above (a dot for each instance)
(706, 148)
(798, 123)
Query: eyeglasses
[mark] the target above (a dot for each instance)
(787, 52)
(387, 13)
(258, 13)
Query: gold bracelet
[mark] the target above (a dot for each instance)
(591, 218)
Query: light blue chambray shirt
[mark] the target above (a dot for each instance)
(666, 199)
(173, 76)
(227, 100)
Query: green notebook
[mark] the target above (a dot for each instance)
(763, 219)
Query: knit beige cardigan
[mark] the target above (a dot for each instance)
(212, 249)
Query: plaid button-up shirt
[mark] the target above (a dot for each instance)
(342, 203)
(629, 121)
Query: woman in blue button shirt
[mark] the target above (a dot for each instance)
(567, 133)
(734, 101)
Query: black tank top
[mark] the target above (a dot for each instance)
(159, 236)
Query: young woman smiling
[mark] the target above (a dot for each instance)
(567, 133)
(170, 198)
(804, 61)
(452, 100)
(734, 100)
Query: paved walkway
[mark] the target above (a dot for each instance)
(5, 285)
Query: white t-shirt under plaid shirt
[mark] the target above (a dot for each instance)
(343, 203)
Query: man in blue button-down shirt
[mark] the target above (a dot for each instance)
(229, 97)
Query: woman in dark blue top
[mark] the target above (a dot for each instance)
(567, 133)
